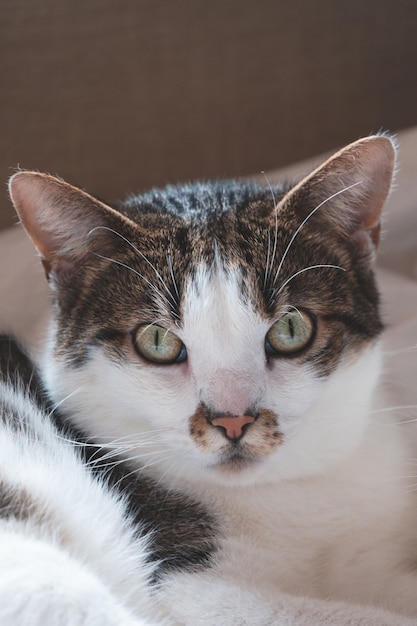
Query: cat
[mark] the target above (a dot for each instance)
(203, 444)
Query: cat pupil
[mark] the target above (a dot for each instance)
(291, 328)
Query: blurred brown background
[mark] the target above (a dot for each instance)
(119, 96)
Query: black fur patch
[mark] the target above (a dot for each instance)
(183, 535)
(17, 368)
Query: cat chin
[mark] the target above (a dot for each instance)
(229, 476)
(220, 473)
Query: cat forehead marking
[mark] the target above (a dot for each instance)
(219, 320)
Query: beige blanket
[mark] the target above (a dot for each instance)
(24, 293)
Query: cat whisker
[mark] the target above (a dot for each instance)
(166, 484)
(270, 259)
(150, 312)
(103, 463)
(290, 307)
(132, 438)
(171, 271)
(138, 469)
(115, 450)
(268, 254)
(400, 351)
(112, 448)
(56, 406)
(304, 222)
(400, 407)
(155, 322)
(120, 445)
(131, 269)
(306, 269)
(143, 256)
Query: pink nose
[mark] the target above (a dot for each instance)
(233, 425)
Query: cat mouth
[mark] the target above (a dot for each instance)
(237, 468)
(236, 459)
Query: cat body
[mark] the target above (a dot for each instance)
(68, 551)
(216, 351)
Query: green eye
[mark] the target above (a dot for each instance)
(158, 345)
(290, 334)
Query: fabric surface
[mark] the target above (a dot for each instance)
(24, 298)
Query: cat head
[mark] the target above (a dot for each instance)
(225, 330)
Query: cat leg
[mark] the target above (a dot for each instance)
(204, 600)
(42, 585)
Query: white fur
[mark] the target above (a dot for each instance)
(78, 562)
(319, 532)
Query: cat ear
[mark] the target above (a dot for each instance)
(61, 219)
(346, 194)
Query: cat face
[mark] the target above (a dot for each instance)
(225, 331)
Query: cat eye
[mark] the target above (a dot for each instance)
(290, 334)
(159, 345)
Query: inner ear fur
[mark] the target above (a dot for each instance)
(64, 222)
(346, 194)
